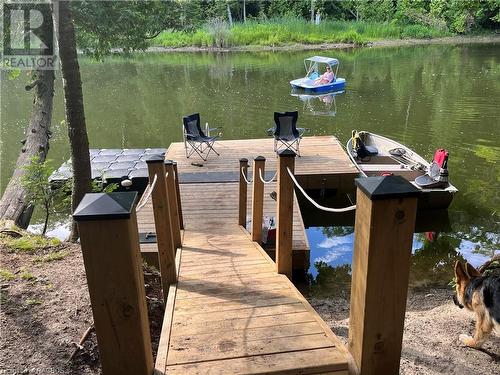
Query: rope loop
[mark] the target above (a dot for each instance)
(262, 178)
(147, 193)
(245, 177)
(322, 208)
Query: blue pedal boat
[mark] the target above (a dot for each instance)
(312, 65)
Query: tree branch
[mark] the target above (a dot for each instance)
(30, 86)
(484, 266)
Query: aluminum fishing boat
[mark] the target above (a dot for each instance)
(375, 155)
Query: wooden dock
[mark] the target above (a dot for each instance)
(229, 308)
(230, 311)
(213, 188)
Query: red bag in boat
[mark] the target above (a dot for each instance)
(440, 156)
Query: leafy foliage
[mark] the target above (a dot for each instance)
(37, 185)
(102, 26)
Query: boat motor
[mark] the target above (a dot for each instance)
(443, 171)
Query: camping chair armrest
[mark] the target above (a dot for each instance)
(217, 128)
(303, 130)
(190, 135)
(270, 132)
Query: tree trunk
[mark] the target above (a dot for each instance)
(13, 205)
(244, 11)
(229, 16)
(73, 106)
(312, 11)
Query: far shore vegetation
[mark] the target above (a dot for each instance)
(226, 24)
(285, 31)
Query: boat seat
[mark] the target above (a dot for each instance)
(362, 150)
(313, 75)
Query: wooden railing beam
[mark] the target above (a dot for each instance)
(258, 199)
(284, 210)
(243, 193)
(173, 204)
(178, 190)
(109, 239)
(383, 234)
(163, 223)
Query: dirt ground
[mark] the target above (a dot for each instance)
(430, 341)
(45, 310)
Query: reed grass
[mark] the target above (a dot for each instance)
(286, 31)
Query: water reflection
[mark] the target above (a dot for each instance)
(433, 256)
(319, 104)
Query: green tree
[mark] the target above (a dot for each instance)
(102, 26)
(35, 181)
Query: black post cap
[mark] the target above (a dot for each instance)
(243, 160)
(155, 159)
(260, 158)
(386, 187)
(105, 206)
(287, 153)
(169, 162)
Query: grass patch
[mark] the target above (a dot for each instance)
(422, 32)
(6, 275)
(27, 275)
(51, 257)
(29, 243)
(286, 31)
(32, 302)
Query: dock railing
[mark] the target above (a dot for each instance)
(109, 239)
(167, 228)
(113, 265)
(385, 221)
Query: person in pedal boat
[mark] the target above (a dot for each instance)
(327, 77)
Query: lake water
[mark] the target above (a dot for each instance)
(424, 96)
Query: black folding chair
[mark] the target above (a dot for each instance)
(195, 139)
(286, 134)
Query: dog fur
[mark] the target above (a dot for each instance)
(480, 294)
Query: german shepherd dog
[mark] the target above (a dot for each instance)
(480, 294)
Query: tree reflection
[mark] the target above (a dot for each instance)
(331, 281)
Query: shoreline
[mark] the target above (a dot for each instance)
(494, 38)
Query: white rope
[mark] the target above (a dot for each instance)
(147, 193)
(322, 208)
(245, 177)
(262, 178)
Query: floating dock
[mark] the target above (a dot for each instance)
(230, 312)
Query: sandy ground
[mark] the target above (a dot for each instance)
(43, 318)
(430, 341)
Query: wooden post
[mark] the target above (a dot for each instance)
(109, 239)
(258, 198)
(173, 204)
(243, 192)
(284, 209)
(163, 225)
(385, 220)
(177, 189)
